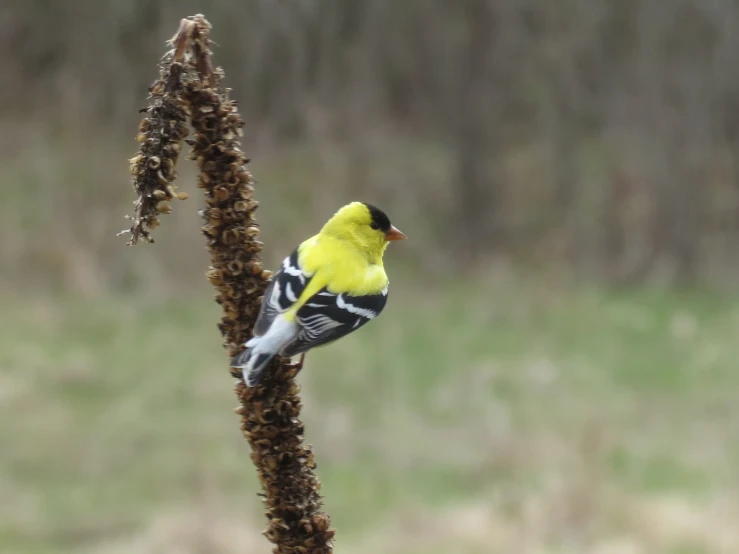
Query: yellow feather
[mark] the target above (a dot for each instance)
(345, 256)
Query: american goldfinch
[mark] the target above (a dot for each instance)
(331, 285)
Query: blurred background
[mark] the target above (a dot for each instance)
(556, 371)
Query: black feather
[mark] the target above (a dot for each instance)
(379, 217)
(324, 319)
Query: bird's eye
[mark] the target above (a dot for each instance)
(374, 225)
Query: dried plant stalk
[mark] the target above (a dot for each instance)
(270, 412)
(161, 134)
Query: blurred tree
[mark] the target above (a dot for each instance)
(473, 129)
(595, 134)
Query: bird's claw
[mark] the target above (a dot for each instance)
(297, 366)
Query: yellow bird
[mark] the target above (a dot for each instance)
(331, 285)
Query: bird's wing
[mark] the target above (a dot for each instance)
(327, 316)
(286, 286)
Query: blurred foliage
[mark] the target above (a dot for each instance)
(592, 135)
(538, 419)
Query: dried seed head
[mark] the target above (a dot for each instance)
(189, 88)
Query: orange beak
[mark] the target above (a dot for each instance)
(394, 234)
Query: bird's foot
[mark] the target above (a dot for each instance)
(299, 364)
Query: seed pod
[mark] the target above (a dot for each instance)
(215, 276)
(230, 237)
(231, 312)
(234, 294)
(232, 180)
(250, 287)
(161, 179)
(221, 194)
(181, 130)
(168, 167)
(210, 124)
(235, 267)
(154, 163)
(255, 268)
(173, 148)
(211, 230)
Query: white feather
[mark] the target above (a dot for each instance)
(281, 333)
(290, 294)
(341, 303)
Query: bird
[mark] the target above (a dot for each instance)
(329, 286)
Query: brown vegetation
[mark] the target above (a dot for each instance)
(189, 88)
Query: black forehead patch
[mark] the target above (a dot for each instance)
(379, 217)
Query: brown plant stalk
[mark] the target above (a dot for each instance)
(189, 88)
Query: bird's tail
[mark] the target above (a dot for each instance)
(253, 361)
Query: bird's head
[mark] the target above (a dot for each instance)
(368, 227)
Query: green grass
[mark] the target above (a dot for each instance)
(585, 405)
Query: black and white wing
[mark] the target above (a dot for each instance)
(284, 289)
(326, 317)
